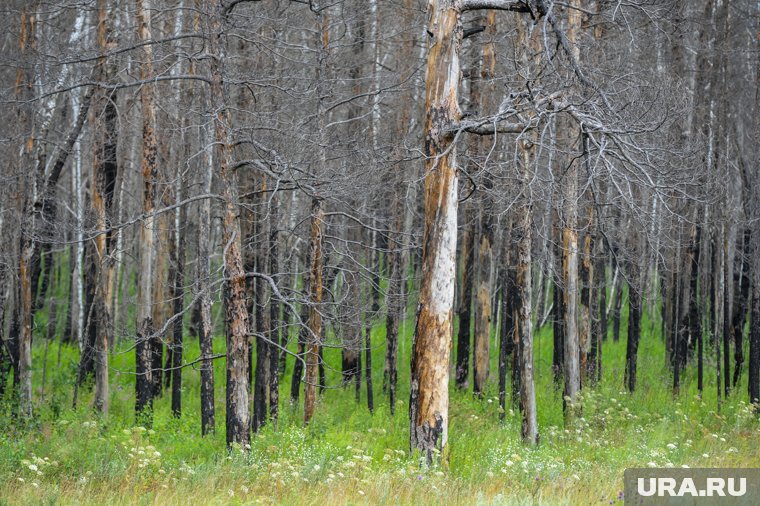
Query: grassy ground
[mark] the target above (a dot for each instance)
(347, 456)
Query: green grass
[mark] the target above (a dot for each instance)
(347, 456)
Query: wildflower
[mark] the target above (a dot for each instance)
(509, 463)
(671, 446)
(316, 467)
(651, 464)
(361, 492)
(32, 467)
(35, 484)
(705, 456)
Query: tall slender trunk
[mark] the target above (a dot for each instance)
(263, 324)
(634, 333)
(178, 296)
(599, 309)
(101, 189)
(617, 294)
(741, 303)
(558, 311)
(236, 313)
(303, 337)
(465, 303)
(275, 308)
(368, 332)
(695, 322)
(586, 333)
(393, 301)
(145, 330)
(313, 350)
(570, 245)
(485, 267)
(314, 340)
(523, 324)
(507, 327)
(203, 289)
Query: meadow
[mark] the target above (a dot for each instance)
(349, 456)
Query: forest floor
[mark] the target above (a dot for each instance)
(348, 456)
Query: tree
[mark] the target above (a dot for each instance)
(145, 330)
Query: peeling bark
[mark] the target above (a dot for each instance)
(315, 317)
(236, 313)
(429, 399)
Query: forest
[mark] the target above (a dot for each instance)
(375, 251)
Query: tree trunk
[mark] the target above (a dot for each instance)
(393, 301)
(465, 303)
(570, 246)
(741, 302)
(178, 296)
(483, 304)
(275, 307)
(102, 186)
(523, 324)
(429, 398)
(203, 288)
(314, 337)
(236, 313)
(634, 332)
(558, 312)
(263, 324)
(145, 331)
(507, 328)
(368, 332)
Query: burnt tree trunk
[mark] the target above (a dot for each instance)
(145, 330)
(634, 334)
(741, 303)
(314, 336)
(465, 303)
(236, 313)
(429, 396)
